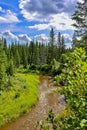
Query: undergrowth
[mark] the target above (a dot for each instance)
(19, 97)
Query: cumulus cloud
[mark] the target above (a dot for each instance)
(41, 38)
(45, 9)
(8, 34)
(24, 38)
(7, 16)
(60, 21)
(39, 26)
(52, 13)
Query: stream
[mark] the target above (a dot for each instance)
(47, 100)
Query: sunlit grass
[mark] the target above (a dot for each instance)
(19, 97)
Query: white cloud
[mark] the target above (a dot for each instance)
(39, 26)
(44, 10)
(41, 38)
(60, 21)
(24, 37)
(9, 17)
(9, 35)
(80, 1)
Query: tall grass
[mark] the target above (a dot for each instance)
(19, 97)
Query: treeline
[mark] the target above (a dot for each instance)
(15, 55)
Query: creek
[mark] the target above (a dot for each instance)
(48, 99)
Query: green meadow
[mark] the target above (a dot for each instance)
(19, 97)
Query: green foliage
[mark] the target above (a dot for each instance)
(11, 67)
(3, 62)
(80, 24)
(19, 98)
(74, 78)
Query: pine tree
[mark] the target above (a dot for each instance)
(11, 67)
(80, 18)
(43, 54)
(62, 45)
(59, 43)
(5, 45)
(74, 40)
(37, 57)
(51, 46)
(3, 63)
(17, 58)
(24, 57)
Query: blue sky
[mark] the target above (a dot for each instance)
(29, 19)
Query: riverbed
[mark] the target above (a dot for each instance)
(48, 99)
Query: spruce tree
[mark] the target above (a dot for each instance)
(51, 46)
(80, 18)
(59, 43)
(5, 45)
(62, 45)
(17, 58)
(24, 57)
(3, 62)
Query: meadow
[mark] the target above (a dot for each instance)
(19, 97)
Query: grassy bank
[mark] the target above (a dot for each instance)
(21, 95)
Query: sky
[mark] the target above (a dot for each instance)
(26, 20)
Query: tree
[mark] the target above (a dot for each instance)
(59, 45)
(62, 45)
(36, 57)
(11, 67)
(43, 54)
(17, 58)
(3, 63)
(5, 45)
(80, 18)
(74, 40)
(51, 46)
(24, 57)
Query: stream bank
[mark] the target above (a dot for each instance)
(47, 100)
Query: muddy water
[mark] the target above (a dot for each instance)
(47, 100)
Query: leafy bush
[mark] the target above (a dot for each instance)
(74, 79)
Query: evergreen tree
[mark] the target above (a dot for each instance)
(74, 40)
(43, 54)
(3, 63)
(59, 45)
(24, 57)
(37, 57)
(5, 45)
(80, 18)
(17, 58)
(51, 46)
(62, 45)
(11, 67)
